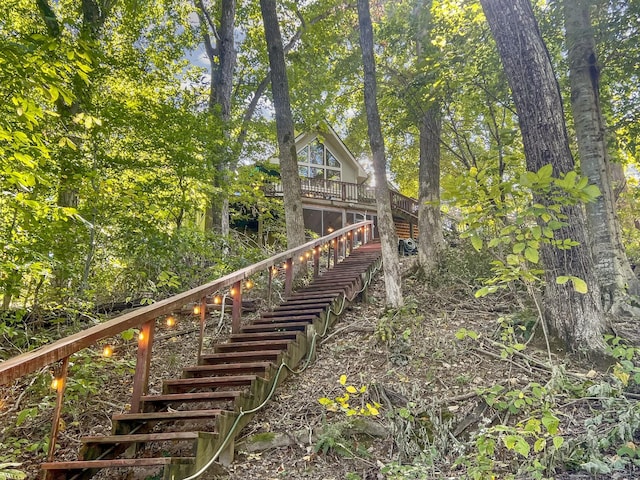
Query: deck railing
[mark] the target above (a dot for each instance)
(345, 192)
(57, 354)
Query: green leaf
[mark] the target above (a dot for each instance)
(476, 242)
(519, 247)
(579, 285)
(551, 423)
(592, 191)
(540, 444)
(547, 171)
(562, 279)
(557, 442)
(531, 254)
(536, 232)
(128, 334)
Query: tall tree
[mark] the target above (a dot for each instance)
(284, 124)
(576, 318)
(386, 227)
(614, 271)
(221, 53)
(431, 244)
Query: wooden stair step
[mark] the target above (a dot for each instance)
(302, 310)
(270, 326)
(298, 306)
(142, 438)
(118, 463)
(312, 295)
(225, 368)
(316, 298)
(175, 415)
(180, 384)
(225, 395)
(291, 318)
(234, 357)
(249, 346)
(259, 336)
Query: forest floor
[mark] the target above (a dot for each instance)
(438, 394)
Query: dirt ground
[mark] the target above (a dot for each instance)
(424, 379)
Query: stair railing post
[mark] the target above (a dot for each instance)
(316, 261)
(143, 365)
(335, 251)
(60, 385)
(270, 273)
(236, 312)
(288, 277)
(351, 235)
(203, 321)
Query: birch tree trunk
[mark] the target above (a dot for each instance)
(431, 242)
(577, 319)
(294, 219)
(386, 227)
(612, 266)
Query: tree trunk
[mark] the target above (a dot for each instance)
(577, 319)
(612, 266)
(217, 215)
(386, 227)
(431, 242)
(294, 219)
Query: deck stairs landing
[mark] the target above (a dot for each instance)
(194, 414)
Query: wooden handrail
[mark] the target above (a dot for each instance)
(346, 192)
(29, 362)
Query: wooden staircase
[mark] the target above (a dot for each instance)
(198, 415)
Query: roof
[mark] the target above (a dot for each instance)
(328, 136)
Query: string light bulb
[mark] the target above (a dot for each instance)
(233, 292)
(217, 300)
(56, 383)
(284, 266)
(249, 284)
(301, 258)
(171, 321)
(196, 310)
(141, 336)
(107, 351)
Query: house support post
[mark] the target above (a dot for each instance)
(335, 251)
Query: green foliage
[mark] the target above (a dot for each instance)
(9, 471)
(334, 438)
(517, 231)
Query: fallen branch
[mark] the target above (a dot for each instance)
(264, 441)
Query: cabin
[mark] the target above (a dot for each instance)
(336, 190)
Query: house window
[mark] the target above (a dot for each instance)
(317, 162)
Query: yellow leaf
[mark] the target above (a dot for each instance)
(343, 379)
(352, 389)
